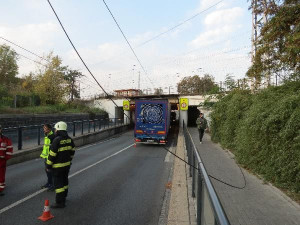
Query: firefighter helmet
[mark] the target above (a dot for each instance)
(60, 125)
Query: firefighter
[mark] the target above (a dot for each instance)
(59, 160)
(6, 150)
(49, 136)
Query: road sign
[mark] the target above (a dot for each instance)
(184, 104)
(126, 105)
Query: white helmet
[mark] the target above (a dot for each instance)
(61, 126)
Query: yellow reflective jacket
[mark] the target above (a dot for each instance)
(47, 142)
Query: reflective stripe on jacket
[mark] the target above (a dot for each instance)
(61, 152)
(6, 148)
(47, 142)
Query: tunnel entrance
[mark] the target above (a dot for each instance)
(193, 114)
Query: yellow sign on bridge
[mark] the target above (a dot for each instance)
(184, 104)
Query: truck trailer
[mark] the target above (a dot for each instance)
(152, 121)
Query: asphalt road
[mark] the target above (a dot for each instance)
(111, 182)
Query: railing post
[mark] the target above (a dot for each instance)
(193, 177)
(191, 156)
(82, 127)
(20, 139)
(94, 125)
(199, 198)
(89, 128)
(100, 124)
(39, 134)
(74, 128)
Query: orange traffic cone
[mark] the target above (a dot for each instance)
(134, 145)
(46, 214)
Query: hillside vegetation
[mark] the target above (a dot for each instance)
(263, 131)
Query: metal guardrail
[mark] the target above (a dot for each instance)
(209, 208)
(31, 135)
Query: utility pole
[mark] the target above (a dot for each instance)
(253, 39)
(265, 20)
(139, 80)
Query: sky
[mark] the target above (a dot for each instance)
(172, 39)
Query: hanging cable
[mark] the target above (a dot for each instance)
(81, 57)
(208, 174)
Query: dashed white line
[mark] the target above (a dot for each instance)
(74, 174)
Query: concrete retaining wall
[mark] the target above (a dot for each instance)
(29, 154)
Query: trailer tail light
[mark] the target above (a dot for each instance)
(162, 141)
(137, 140)
(161, 132)
(139, 131)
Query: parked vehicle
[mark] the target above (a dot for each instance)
(152, 120)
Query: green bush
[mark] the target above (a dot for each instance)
(264, 132)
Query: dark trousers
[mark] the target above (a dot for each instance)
(61, 182)
(201, 133)
(49, 175)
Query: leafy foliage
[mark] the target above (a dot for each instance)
(278, 46)
(8, 66)
(71, 76)
(197, 85)
(264, 131)
(51, 85)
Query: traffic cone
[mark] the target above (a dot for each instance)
(134, 145)
(46, 214)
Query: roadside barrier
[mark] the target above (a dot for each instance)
(24, 137)
(209, 208)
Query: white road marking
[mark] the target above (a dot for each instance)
(86, 146)
(76, 173)
(80, 171)
(168, 155)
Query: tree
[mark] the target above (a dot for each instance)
(158, 91)
(230, 82)
(8, 65)
(71, 76)
(278, 45)
(51, 84)
(196, 85)
(28, 82)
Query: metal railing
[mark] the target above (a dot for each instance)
(30, 136)
(209, 208)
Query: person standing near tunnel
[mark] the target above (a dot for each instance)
(201, 125)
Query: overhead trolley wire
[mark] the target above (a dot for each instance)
(137, 58)
(24, 49)
(170, 29)
(80, 56)
(178, 25)
(38, 57)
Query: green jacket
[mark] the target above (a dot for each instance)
(47, 142)
(201, 123)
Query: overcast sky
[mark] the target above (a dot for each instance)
(214, 40)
